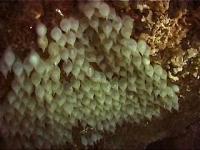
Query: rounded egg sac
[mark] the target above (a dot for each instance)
(93, 75)
(41, 29)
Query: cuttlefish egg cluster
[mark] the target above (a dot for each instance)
(95, 74)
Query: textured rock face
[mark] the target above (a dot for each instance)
(95, 74)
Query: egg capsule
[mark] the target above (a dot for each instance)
(102, 36)
(48, 97)
(113, 36)
(117, 24)
(72, 53)
(126, 32)
(116, 48)
(88, 10)
(21, 79)
(16, 105)
(27, 66)
(108, 45)
(15, 86)
(40, 114)
(71, 38)
(107, 28)
(175, 88)
(149, 70)
(79, 60)
(54, 60)
(137, 61)
(126, 53)
(68, 108)
(41, 29)
(59, 90)
(42, 42)
(90, 72)
(61, 101)
(76, 84)
(146, 61)
(67, 67)
(142, 47)
(158, 70)
(104, 10)
(18, 67)
(64, 54)
(39, 92)
(83, 25)
(65, 25)
(11, 97)
(175, 103)
(47, 86)
(9, 57)
(53, 49)
(56, 33)
(128, 21)
(4, 69)
(52, 109)
(85, 40)
(74, 24)
(34, 58)
(94, 23)
(106, 87)
(28, 87)
(112, 14)
(63, 40)
(41, 68)
(35, 78)
(55, 74)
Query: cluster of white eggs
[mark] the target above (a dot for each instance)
(95, 74)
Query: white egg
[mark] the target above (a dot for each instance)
(62, 41)
(9, 57)
(39, 92)
(72, 53)
(64, 54)
(108, 45)
(53, 49)
(18, 67)
(104, 10)
(68, 108)
(56, 33)
(41, 29)
(88, 10)
(94, 23)
(4, 69)
(35, 78)
(11, 97)
(67, 67)
(65, 25)
(28, 87)
(142, 47)
(107, 28)
(126, 32)
(71, 38)
(34, 58)
(27, 66)
(117, 24)
(55, 74)
(158, 70)
(42, 42)
(16, 87)
(74, 24)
